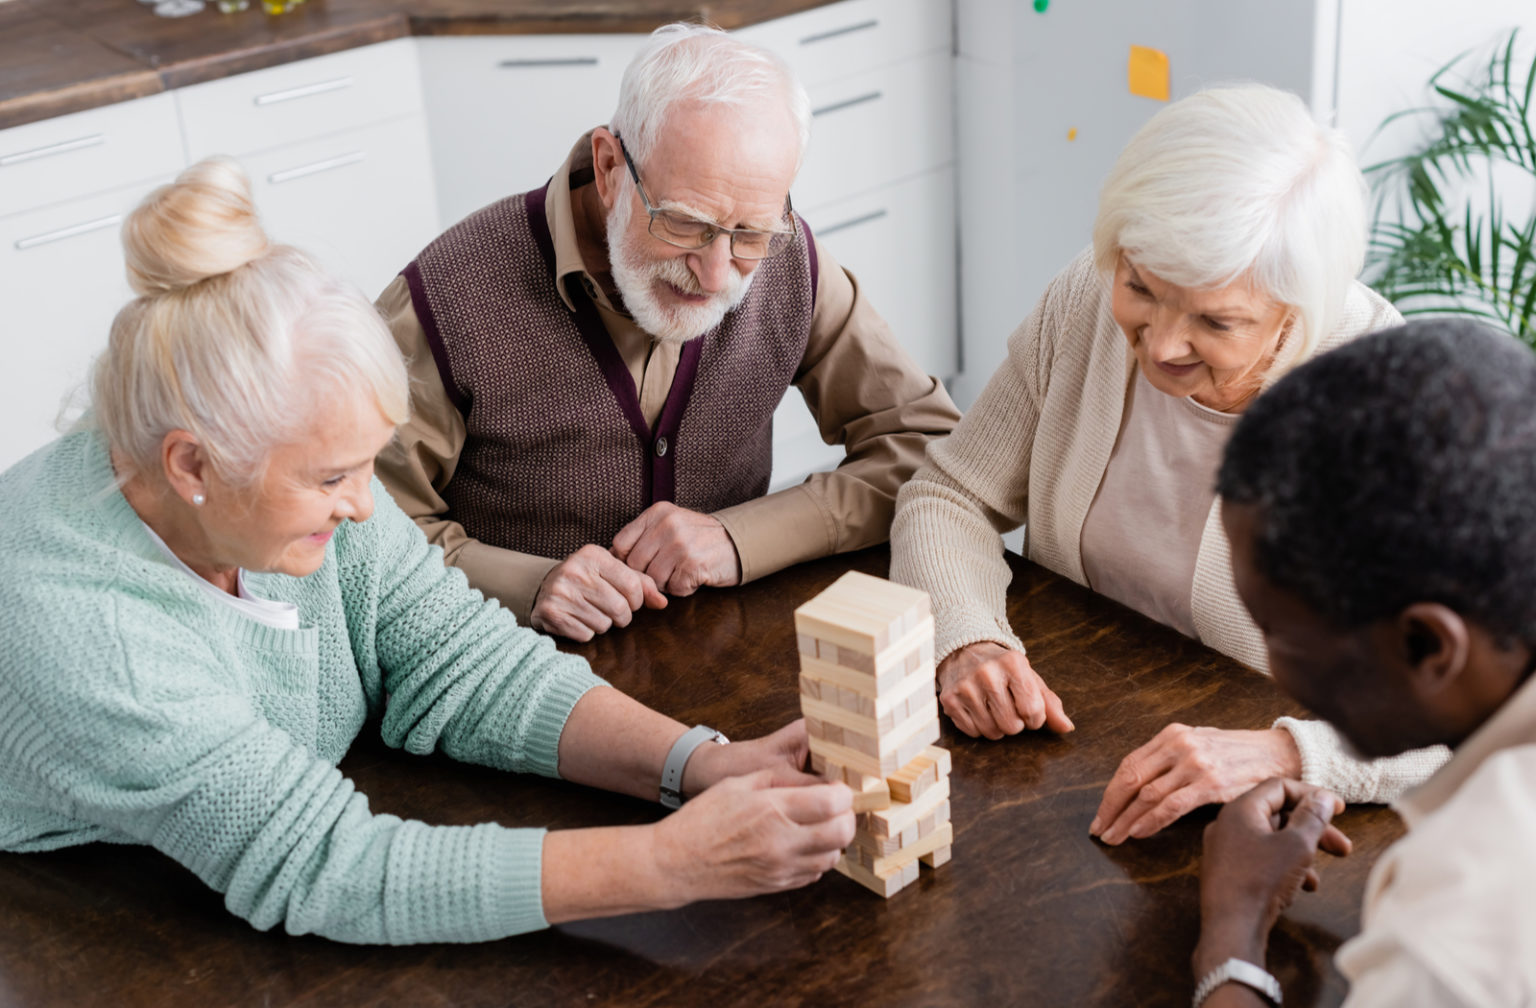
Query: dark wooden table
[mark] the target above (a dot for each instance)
(1030, 911)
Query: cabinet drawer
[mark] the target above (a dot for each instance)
(299, 101)
(847, 38)
(899, 242)
(878, 127)
(63, 269)
(360, 202)
(543, 92)
(75, 155)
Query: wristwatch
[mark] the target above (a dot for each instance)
(677, 762)
(1241, 971)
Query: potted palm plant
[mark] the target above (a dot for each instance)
(1455, 217)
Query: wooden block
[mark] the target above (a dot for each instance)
(894, 820)
(856, 660)
(888, 886)
(810, 686)
(815, 728)
(806, 644)
(871, 796)
(941, 837)
(863, 618)
(871, 685)
(935, 857)
(831, 733)
(923, 730)
(939, 756)
(819, 764)
(915, 776)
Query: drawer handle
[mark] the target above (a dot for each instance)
(852, 222)
(69, 232)
(329, 164)
(835, 32)
(553, 61)
(304, 92)
(93, 140)
(848, 103)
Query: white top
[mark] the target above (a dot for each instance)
(1142, 533)
(1449, 917)
(277, 615)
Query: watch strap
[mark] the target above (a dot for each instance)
(1241, 971)
(677, 762)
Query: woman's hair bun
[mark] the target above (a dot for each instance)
(202, 225)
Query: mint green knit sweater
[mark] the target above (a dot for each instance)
(136, 709)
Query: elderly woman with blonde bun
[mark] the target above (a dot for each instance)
(207, 595)
(1228, 237)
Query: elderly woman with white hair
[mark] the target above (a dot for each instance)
(207, 595)
(1228, 237)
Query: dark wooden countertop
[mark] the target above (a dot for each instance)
(61, 56)
(1030, 911)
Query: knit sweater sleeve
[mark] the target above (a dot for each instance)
(1327, 761)
(455, 670)
(946, 537)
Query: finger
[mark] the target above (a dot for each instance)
(959, 713)
(1335, 841)
(1055, 714)
(628, 586)
(1147, 800)
(814, 803)
(824, 837)
(1311, 817)
(630, 534)
(566, 625)
(1024, 688)
(1002, 707)
(1168, 811)
(1140, 767)
(651, 595)
(1310, 881)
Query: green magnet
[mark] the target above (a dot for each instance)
(1042, 5)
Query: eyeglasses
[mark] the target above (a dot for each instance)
(691, 233)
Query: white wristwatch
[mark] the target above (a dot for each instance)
(677, 762)
(1241, 971)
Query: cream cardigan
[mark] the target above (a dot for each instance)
(1033, 450)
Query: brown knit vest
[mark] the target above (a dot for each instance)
(558, 453)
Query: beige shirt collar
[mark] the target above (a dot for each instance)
(1512, 724)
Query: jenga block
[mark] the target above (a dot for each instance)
(872, 795)
(865, 720)
(862, 623)
(887, 886)
(894, 820)
(924, 729)
(877, 846)
(939, 756)
(935, 857)
(916, 775)
(944, 836)
(806, 644)
(831, 733)
(810, 686)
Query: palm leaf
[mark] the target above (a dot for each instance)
(1443, 241)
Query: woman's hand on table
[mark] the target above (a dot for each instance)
(768, 831)
(987, 689)
(1183, 768)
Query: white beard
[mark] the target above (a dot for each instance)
(636, 278)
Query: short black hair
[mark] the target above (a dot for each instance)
(1399, 468)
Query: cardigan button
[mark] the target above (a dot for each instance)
(661, 445)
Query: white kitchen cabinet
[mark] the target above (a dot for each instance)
(65, 186)
(337, 151)
(63, 273)
(504, 111)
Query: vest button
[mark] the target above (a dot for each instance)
(661, 445)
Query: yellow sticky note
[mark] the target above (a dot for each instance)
(1146, 73)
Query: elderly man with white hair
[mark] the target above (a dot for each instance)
(596, 363)
(1228, 237)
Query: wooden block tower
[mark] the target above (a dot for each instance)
(866, 689)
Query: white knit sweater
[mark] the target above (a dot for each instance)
(1033, 451)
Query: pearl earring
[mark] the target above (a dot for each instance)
(198, 499)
